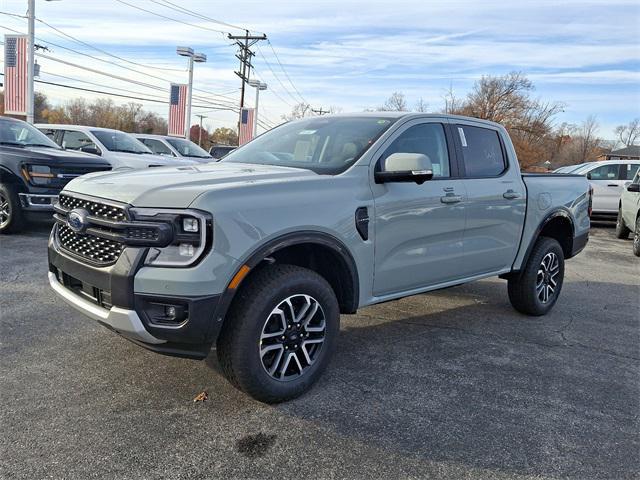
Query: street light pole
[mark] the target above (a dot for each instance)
(197, 58)
(258, 85)
(31, 14)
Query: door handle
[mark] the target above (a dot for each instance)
(449, 199)
(511, 195)
(612, 185)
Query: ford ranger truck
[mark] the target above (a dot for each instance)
(259, 254)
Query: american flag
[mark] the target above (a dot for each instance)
(177, 108)
(15, 74)
(246, 125)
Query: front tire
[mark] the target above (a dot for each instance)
(622, 231)
(280, 333)
(536, 290)
(636, 238)
(11, 216)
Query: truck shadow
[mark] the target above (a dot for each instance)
(480, 385)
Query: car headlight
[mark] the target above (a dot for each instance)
(37, 174)
(192, 236)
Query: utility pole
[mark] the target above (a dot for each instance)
(320, 111)
(245, 42)
(200, 116)
(31, 14)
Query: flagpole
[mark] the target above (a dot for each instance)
(30, 60)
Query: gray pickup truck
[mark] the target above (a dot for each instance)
(259, 254)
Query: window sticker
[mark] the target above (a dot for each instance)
(463, 139)
(306, 132)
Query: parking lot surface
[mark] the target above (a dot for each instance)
(453, 384)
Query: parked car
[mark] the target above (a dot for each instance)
(629, 213)
(568, 168)
(608, 179)
(118, 148)
(219, 151)
(261, 252)
(174, 147)
(33, 170)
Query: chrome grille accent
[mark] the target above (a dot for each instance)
(97, 209)
(90, 247)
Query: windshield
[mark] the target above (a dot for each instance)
(22, 134)
(117, 141)
(326, 145)
(187, 148)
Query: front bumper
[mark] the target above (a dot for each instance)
(37, 202)
(106, 294)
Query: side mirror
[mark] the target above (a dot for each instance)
(634, 187)
(405, 167)
(589, 176)
(90, 149)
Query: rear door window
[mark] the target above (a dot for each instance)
(156, 146)
(482, 151)
(76, 140)
(628, 171)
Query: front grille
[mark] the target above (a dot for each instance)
(90, 247)
(101, 210)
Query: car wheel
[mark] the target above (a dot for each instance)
(622, 231)
(636, 238)
(280, 333)
(11, 217)
(536, 290)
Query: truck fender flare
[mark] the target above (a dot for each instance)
(296, 238)
(557, 212)
(10, 177)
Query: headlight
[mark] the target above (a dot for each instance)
(192, 236)
(37, 174)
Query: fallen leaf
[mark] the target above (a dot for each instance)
(201, 397)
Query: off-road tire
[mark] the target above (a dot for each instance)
(11, 216)
(622, 231)
(239, 343)
(524, 288)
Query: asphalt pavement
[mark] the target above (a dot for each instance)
(453, 384)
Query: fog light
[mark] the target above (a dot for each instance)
(170, 312)
(190, 224)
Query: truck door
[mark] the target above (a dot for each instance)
(418, 228)
(496, 199)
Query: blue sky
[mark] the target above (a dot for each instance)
(353, 55)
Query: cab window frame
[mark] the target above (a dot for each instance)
(460, 152)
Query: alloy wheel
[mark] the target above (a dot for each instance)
(546, 280)
(5, 210)
(292, 337)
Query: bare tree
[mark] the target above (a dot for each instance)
(629, 134)
(452, 104)
(299, 110)
(421, 106)
(588, 141)
(395, 103)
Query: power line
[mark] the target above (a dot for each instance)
(186, 11)
(170, 18)
(285, 72)
(295, 100)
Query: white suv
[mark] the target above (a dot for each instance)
(608, 179)
(120, 149)
(629, 213)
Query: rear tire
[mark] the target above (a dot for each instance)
(280, 333)
(636, 238)
(622, 231)
(11, 215)
(536, 290)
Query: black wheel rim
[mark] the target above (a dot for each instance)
(636, 237)
(547, 278)
(5, 210)
(292, 337)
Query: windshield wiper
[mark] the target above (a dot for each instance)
(127, 151)
(40, 145)
(13, 144)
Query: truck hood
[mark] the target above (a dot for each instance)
(133, 160)
(178, 187)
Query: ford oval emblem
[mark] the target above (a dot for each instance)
(77, 220)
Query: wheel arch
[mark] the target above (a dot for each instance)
(321, 252)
